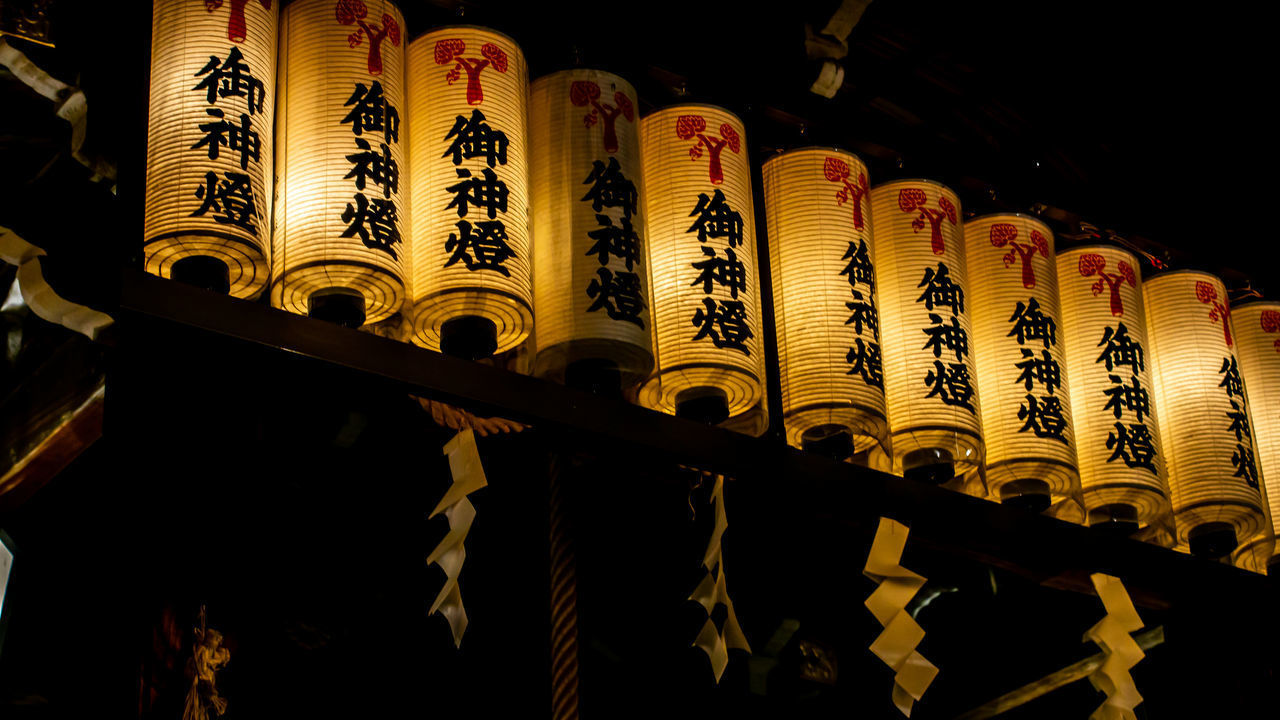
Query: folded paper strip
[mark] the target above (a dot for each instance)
(896, 646)
(468, 476)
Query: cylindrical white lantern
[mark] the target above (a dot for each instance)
(341, 211)
(209, 141)
(1205, 428)
(591, 266)
(1256, 328)
(1019, 353)
(472, 280)
(824, 300)
(929, 373)
(702, 248)
(1104, 336)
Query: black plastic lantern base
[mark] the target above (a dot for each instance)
(1119, 519)
(340, 306)
(704, 404)
(934, 466)
(833, 441)
(470, 337)
(1031, 494)
(597, 376)
(1212, 540)
(202, 271)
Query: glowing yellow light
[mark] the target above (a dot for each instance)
(1256, 328)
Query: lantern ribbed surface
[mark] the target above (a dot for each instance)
(824, 296)
(1199, 393)
(1019, 353)
(1256, 328)
(929, 374)
(702, 248)
(590, 263)
(209, 138)
(342, 215)
(1104, 334)
(469, 100)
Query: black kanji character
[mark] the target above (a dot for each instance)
(1120, 349)
(725, 321)
(939, 290)
(950, 382)
(1043, 369)
(238, 138)
(1231, 378)
(1029, 323)
(374, 221)
(865, 359)
(231, 78)
(864, 313)
(371, 111)
(619, 294)
(473, 138)
(859, 268)
(1132, 444)
(488, 248)
(486, 192)
(1132, 397)
(381, 168)
(728, 271)
(951, 337)
(716, 220)
(611, 189)
(1043, 417)
(620, 241)
(1246, 468)
(1239, 422)
(231, 198)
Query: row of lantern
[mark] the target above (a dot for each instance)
(634, 241)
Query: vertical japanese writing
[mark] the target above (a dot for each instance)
(374, 219)
(1129, 442)
(613, 199)
(230, 197)
(863, 357)
(948, 381)
(1038, 371)
(724, 321)
(1242, 456)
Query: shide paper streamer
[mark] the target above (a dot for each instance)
(896, 646)
(468, 476)
(712, 591)
(1122, 652)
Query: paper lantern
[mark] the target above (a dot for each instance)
(1104, 338)
(209, 142)
(929, 375)
(702, 249)
(472, 285)
(591, 266)
(1256, 332)
(1204, 416)
(824, 300)
(341, 209)
(1019, 354)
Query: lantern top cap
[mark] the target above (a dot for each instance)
(446, 29)
(574, 70)
(815, 148)
(694, 106)
(996, 215)
(1066, 245)
(907, 181)
(1156, 274)
(1255, 300)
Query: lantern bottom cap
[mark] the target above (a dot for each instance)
(1212, 540)
(708, 405)
(929, 465)
(832, 440)
(598, 376)
(471, 337)
(202, 271)
(338, 305)
(1119, 519)
(1031, 494)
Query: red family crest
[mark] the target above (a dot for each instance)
(915, 200)
(451, 50)
(1271, 324)
(837, 171)
(1208, 295)
(585, 92)
(689, 127)
(1094, 264)
(237, 30)
(1006, 235)
(353, 12)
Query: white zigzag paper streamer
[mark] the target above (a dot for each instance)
(712, 591)
(1122, 652)
(468, 476)
(896, 646)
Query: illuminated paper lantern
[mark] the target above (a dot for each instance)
(929, 375)
(341, 209)
(472, 285)
(1256, 328)
(824, 301)
(209, 143)
(1104, 338)
(702, 249)
(591, 267)
(1205, 429)
(1018, 349)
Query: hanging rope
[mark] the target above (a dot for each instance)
(564, 601)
